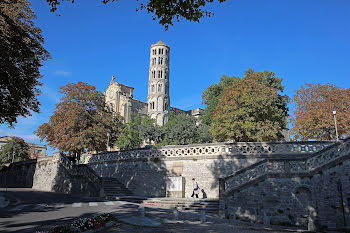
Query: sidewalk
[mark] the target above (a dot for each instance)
(189, 222)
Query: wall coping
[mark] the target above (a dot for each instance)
(213, 150)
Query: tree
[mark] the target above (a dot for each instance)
(130, 136)
(14, 150)
(165, 11)
(81, 121)
(212, 94)
(21, 56)
(251, 110)
(313, 117)
(183, 129)
(139, 129)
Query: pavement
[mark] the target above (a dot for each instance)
(30, 211)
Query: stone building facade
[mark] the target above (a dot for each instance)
(120, 98)
(35, 150)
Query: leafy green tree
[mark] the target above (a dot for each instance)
(313, 106)
(251, 110)
(165, 11)
(14, 150)
(81, 121)
(183, 129)
(212, 94)
(150, 131)
(21, 56)
(139, 129)
(130, 135)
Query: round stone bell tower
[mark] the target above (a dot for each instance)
(158, 99)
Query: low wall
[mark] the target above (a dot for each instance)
(301, 192)
(145, 171)
(18, 175)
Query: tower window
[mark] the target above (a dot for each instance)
(152, 89)
(159, 87)
(152, 105)
(159, 74)
(166, 52)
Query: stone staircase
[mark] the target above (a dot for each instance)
(113, 188)
(298, 167)
(209, 205)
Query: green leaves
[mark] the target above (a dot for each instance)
(165, 11)
(14, 150)
(21, 56)
(250, 109)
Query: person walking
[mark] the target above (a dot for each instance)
(195, 188)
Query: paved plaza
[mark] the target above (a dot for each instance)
(31, 211)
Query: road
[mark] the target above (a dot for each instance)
(32, 211)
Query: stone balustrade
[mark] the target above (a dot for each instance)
(213, 149)
(279, 166)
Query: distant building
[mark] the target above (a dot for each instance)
(120, 99)
(35, 150)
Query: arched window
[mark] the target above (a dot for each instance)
(159, 74)
(158, 60)
(159, 87)
(159, 51)
(166, 52)
(166, 106)
(152, 89)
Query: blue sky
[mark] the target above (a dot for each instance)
(302, 41)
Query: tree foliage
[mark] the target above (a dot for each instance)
(183, 129)
(81, 121)
(14, 150)
(313, 117)
(212, 94)
(165, 11)
(139, 129)
(21, 56)
(251, 109)
(179, 130)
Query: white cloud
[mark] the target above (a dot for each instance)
(26, 137)
(63, 73)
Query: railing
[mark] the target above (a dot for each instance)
(81, 170)
(276, 166)
(214, 149)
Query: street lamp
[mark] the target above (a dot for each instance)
(335, 123)
(108, 149)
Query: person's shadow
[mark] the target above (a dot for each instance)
(204, 194)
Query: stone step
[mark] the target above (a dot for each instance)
(113, 188)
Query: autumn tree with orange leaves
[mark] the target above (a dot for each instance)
(80, 122)
(313, 116)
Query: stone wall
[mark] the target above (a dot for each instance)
(18, 175)
(288, 192)
(145, 172)
(57, 174)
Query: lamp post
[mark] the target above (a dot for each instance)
(108, 149)
(335, 123)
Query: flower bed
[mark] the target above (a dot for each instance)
(84, 224)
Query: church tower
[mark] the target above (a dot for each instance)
(158, 99)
